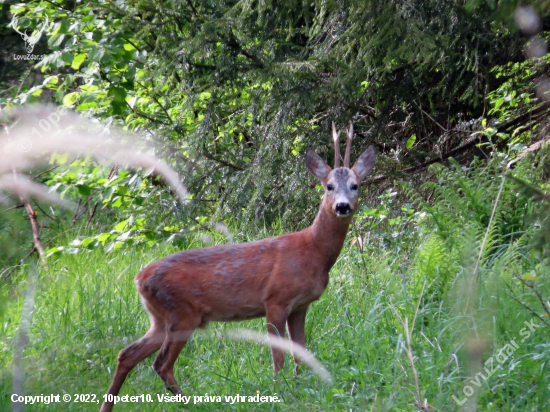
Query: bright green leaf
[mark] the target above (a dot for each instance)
(411, 141)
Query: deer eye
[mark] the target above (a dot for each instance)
(354, 187)
(330, 187)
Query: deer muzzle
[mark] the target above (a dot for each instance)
(342, 209)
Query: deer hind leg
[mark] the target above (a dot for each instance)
(129, 357)
(296, 329)
(276, 320)
(178, 333)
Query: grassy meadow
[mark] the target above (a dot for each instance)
(86, 309)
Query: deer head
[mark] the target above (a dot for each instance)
(341, 184)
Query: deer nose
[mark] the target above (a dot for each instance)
(343, 208)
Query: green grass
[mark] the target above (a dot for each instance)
(87, 309)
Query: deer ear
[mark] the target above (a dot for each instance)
(316, 166)
(365, 163)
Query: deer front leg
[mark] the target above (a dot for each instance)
(276, 318)
(296, 329)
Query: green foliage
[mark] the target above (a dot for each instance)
(135, 196)
(537, 192)
(464, 196)
(13, 239)
(517, 92)
(389, 224)
(462, 200)
(79, 326)
(235, 91)
(434, 263)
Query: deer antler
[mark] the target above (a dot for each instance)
(336, 138)
(348, 145)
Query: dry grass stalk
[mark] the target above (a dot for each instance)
(22, 339)
(24, 148)
(276, 342)
(419, 403)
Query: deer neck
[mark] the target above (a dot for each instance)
(328, 233)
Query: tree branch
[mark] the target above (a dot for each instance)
(193, 7)
(44, 172)
(470, 143)
(231, 41)
(223, 162)
(35, 228)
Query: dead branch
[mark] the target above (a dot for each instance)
(35, 227)
(470, 143)
(541, 300)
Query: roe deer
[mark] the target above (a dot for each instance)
(276, 277)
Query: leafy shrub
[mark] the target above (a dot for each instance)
(461, 203)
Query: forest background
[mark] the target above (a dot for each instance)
(446, 259)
